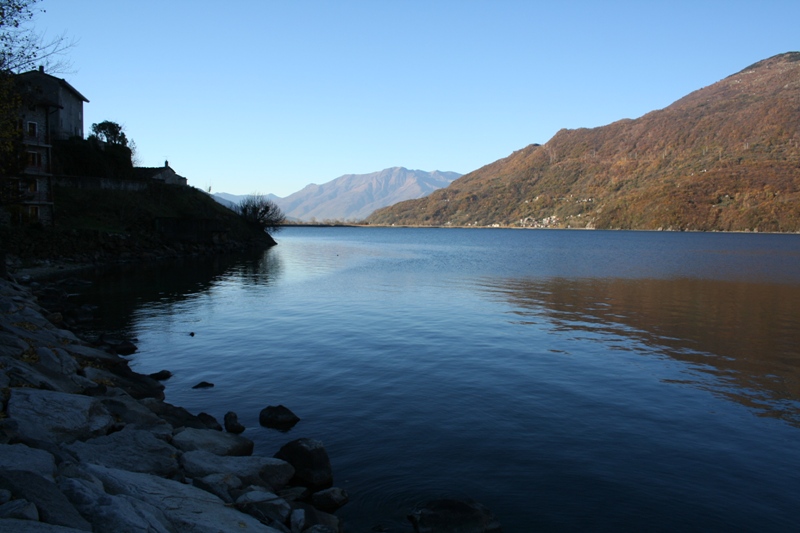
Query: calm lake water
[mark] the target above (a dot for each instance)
(568, 380)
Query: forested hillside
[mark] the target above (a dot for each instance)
(725, 157)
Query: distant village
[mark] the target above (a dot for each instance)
(52, 113)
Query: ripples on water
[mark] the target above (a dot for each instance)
(567, 380)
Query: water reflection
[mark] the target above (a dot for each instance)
(744, 335)
(121, 290)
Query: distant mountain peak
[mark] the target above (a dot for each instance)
(355, 196)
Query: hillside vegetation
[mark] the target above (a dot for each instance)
(162, 220)
(725, 157)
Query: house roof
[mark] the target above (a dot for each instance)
(41, 75)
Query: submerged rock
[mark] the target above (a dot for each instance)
(161, 375)
(451, 516)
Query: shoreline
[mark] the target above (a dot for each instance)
(87, 444)
(81, 434)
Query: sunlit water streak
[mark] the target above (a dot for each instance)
(568, 380)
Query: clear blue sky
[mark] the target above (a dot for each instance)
(270, 96)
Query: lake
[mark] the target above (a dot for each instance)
(568, 380)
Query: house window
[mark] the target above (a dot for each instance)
(33, 212)
(33, 128)
(34, 159)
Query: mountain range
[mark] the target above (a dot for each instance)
(725, 157)
(353, 197)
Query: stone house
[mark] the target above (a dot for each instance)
(52, 109)
(163, 174)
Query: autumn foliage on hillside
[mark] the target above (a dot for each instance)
(725, 157)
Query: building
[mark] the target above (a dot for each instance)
(52, 109)
(163, 174)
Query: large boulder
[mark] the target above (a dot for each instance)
(216, 442)
(54, 508)
(27, 526)
(266, 506)
(252, 470)
(310, 461)
(187, 508)
(109, 512)
(451, 516)
(57, 417)
(176, 416)
(221, 485)
(130, 449)
(135, 415)
(26, 459)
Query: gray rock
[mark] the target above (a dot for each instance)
(298, 520)
(209, 421)
(266, 506)
(232, 424)
(109, 512)
(329, 500)
(87, 354)
(252, 470)
(319, 528)
(54, 507)
(57, 417)
(56, 360)
(11, 345)
(5, 496)
(315, 517)
(13, 525)
(277, 417)
(446, 516)
(310, 461)
(130, 449)
(291, 494)
(221, 485)
(187, 508)
(24, 458)
(216, 442)
(22, 509)
(132, 413)
(22, 374)
(176, 416)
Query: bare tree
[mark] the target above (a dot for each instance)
(22, 47)
(260, 210)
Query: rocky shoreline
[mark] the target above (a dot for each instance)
(87, 444)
